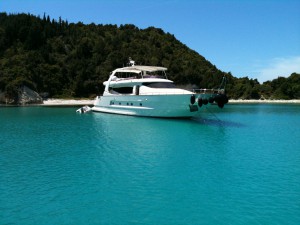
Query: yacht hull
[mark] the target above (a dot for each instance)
(172, 106)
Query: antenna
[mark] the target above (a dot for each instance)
(131, 62)
(223, 84)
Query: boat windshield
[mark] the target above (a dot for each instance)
(160, 85)
(155, 74)
(127, 75)
(138, 72)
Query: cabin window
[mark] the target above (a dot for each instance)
(160, 85)
(123, 90)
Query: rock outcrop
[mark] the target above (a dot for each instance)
(28, 96)
(24, 96)
(2, 97)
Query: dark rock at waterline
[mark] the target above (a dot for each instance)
(24, 96)
(28, 96)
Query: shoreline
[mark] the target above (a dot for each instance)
(254, 101)
(54, 102)
(90, 102)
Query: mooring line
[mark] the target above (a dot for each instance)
(213, 114)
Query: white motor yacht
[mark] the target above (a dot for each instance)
(145, 91)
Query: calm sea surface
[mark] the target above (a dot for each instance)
(238, 165)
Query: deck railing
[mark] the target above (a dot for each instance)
(208, 91)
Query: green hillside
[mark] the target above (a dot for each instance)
(61, 59)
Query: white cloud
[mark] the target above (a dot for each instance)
(278, 67)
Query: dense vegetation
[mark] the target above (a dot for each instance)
(62, 59)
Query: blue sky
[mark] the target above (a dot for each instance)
(259, 38)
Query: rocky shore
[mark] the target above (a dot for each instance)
(23, 96)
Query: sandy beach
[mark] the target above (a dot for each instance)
(58, 102)
(249, 101)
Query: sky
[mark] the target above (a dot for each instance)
(259, 39)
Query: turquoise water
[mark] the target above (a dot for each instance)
(238, 165)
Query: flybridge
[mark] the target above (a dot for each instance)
(138, 69)
(142, 71)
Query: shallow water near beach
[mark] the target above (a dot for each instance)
(237, 165)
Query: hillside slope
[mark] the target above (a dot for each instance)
(58, 59)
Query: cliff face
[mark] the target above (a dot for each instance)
(25, 96)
